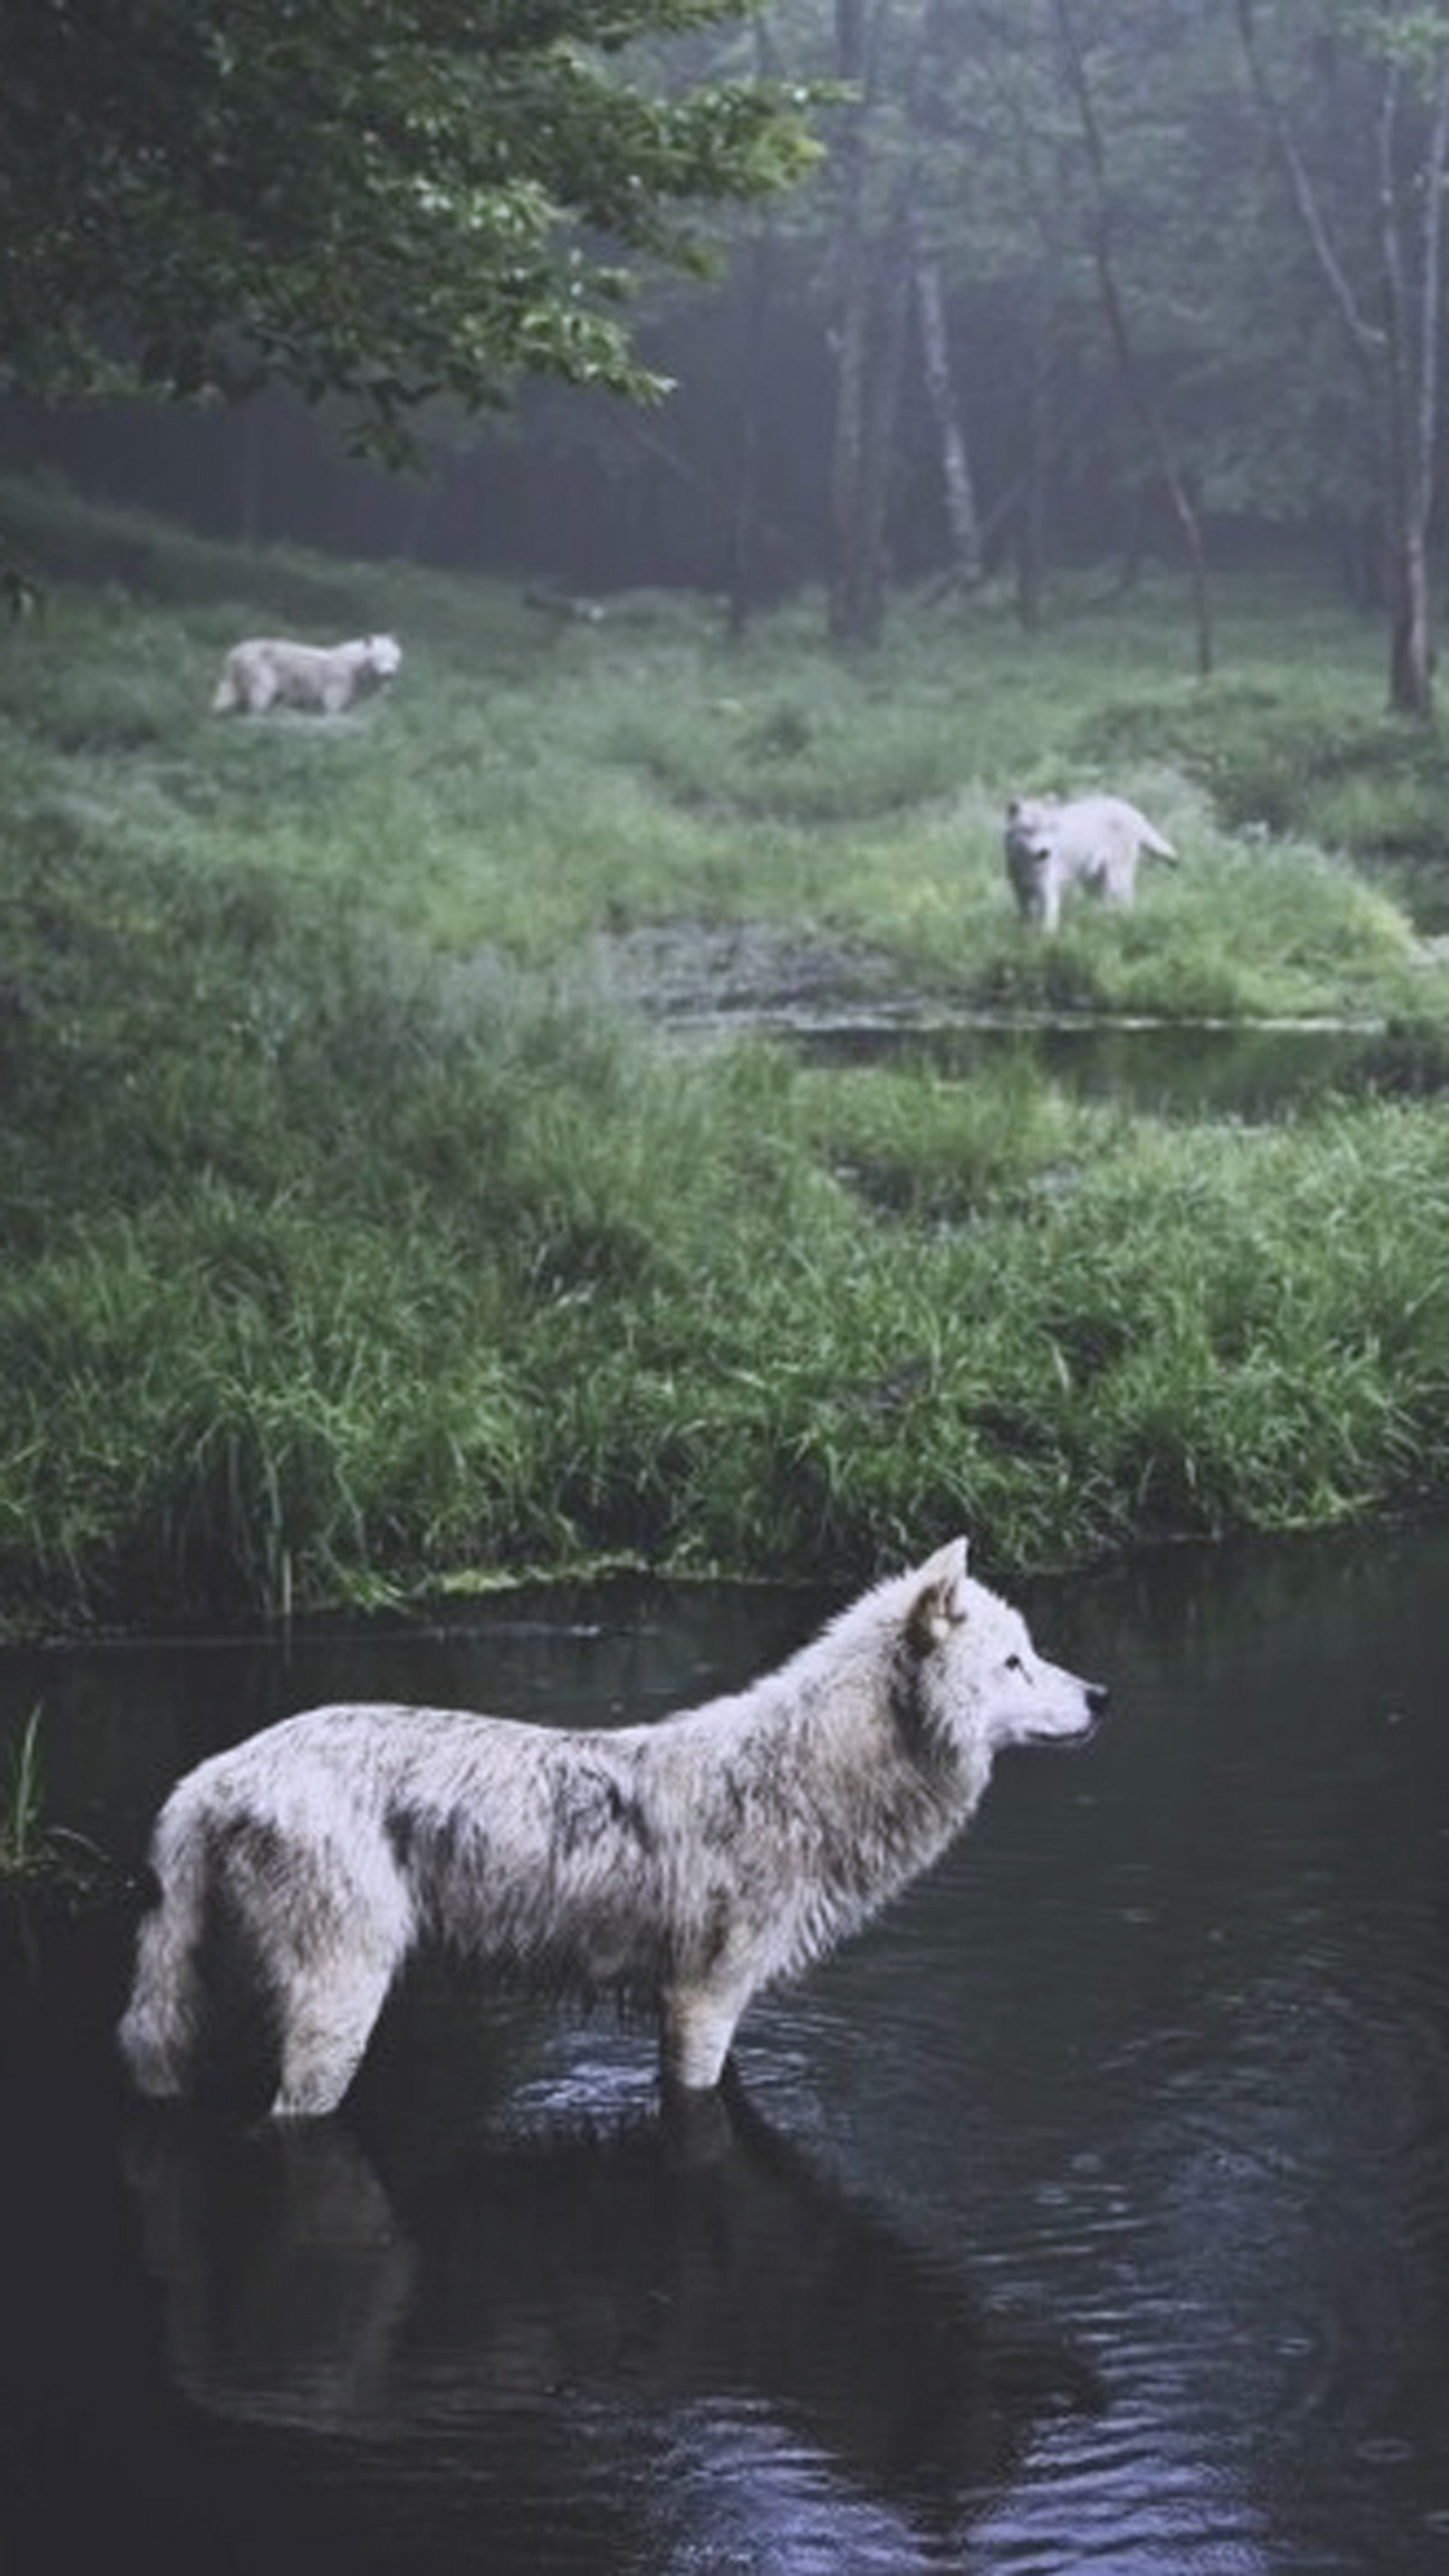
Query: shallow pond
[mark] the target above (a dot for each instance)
(1090, 2211)
(1178, 1069)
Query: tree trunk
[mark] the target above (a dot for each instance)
(1411, 647)
(745, 532)
(963, 519)
(891, 300)
(1154, 427)
(1031, 526)
(251, 472)
(856, 572)
(744, 527)
(1412, 387)
(1399, 360)
(873, 289)
(849, 577)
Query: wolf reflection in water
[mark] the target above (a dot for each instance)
(645, 2271)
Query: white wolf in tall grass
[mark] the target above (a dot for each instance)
(324, 679)
(1090, 841)
(684, 1864)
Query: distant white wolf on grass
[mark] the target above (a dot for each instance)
(682, 1865)
(322, 678)
(1092, 841)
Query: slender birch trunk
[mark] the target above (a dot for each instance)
(963, 518)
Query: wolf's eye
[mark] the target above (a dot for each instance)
(1014, 1664)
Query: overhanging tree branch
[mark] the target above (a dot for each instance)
(389, 200)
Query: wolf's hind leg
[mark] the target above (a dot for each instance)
(327, 2018)
(164, 2016)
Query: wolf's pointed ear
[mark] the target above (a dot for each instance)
(940, 1605)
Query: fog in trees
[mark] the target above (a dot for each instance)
(1071, 283)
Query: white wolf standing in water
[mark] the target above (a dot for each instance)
(322, 678)
(1091, 841)
(686, 1863)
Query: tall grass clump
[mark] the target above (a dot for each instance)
(22, 1830)
(1190, 1335)
(39, 1854)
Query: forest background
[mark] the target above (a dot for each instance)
(1071, 280)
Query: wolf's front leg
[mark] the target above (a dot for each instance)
(698, 2025)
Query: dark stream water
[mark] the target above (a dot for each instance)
(1089, 2212)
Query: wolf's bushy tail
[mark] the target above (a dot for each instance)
(161, 2027)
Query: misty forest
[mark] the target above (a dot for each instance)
(598, 1096)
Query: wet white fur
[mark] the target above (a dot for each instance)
(689, 1862)
(1089, 841)
(324, 679)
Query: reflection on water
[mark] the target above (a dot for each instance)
(1092, 2211)
(621, 2291)
(1172, 1069)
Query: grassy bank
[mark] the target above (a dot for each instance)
(359, 1241)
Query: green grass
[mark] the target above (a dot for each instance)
(524, 789)
(22, 1832)
(359, 1244)
(38, 1855)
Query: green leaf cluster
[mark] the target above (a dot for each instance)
(386, 200)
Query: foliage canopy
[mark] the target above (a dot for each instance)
(382, 199)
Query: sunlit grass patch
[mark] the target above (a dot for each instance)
(577, 1298)
(1173, 1346)
(935, 1151)
(827, 748)
(528, 787)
